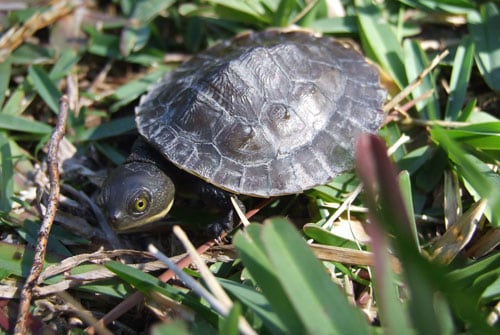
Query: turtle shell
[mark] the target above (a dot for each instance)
(265, 114)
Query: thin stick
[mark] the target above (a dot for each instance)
(426, 95)
(210, 280)
(48, 219)
(429, 123)
(347, 202)
(15, 36)
(83, 313)
(137, 297)
(190, 282)
(223, 306)
(408, 89)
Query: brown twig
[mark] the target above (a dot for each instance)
(17, 35)
(48, 219)
(404, 93)
(83, 313)
(410, 104)
(137, 297)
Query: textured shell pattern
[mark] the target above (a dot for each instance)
(265, 114)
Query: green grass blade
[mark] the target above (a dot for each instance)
(45, 87)
(322, 306)
(109, 129)
(230, 323)
(148, 284)
(29, 54)
(173, 327)
(460, 76)
(415, 62)
(17, 259)
(110, 152)
(482, 136)
(112, 288)
(447, 6)
(466, 275)
(5, 69)
(380, 42)
(284, 13)
(104, 45)
(468, 109)
(336, 25)
(405, 188)
(133, 89)
(133, 39)
(144, 282)
(325, 237)
(484, 27)
(30, 232)
(482, 179)
(7, 174)
(146, 10)
(255, 259)
(65, 63)
(136, 33)
(480, 117)
(17, 123)
(415, 159)
(256, 302)
(18, 102)
(251, 11)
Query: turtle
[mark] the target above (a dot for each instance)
(265, 114)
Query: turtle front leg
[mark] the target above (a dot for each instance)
(215, 197)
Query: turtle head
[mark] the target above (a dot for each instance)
(135, 194)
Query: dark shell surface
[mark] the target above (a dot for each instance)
(265, 114)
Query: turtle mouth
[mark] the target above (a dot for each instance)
(119, 221)
(122, 223)
(116, 220)
(125, 227)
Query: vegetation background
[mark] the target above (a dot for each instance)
(438, 216)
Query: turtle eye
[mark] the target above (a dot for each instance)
(139, 204)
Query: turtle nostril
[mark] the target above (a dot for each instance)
(114, 218)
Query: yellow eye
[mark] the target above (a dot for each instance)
(140, 204)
